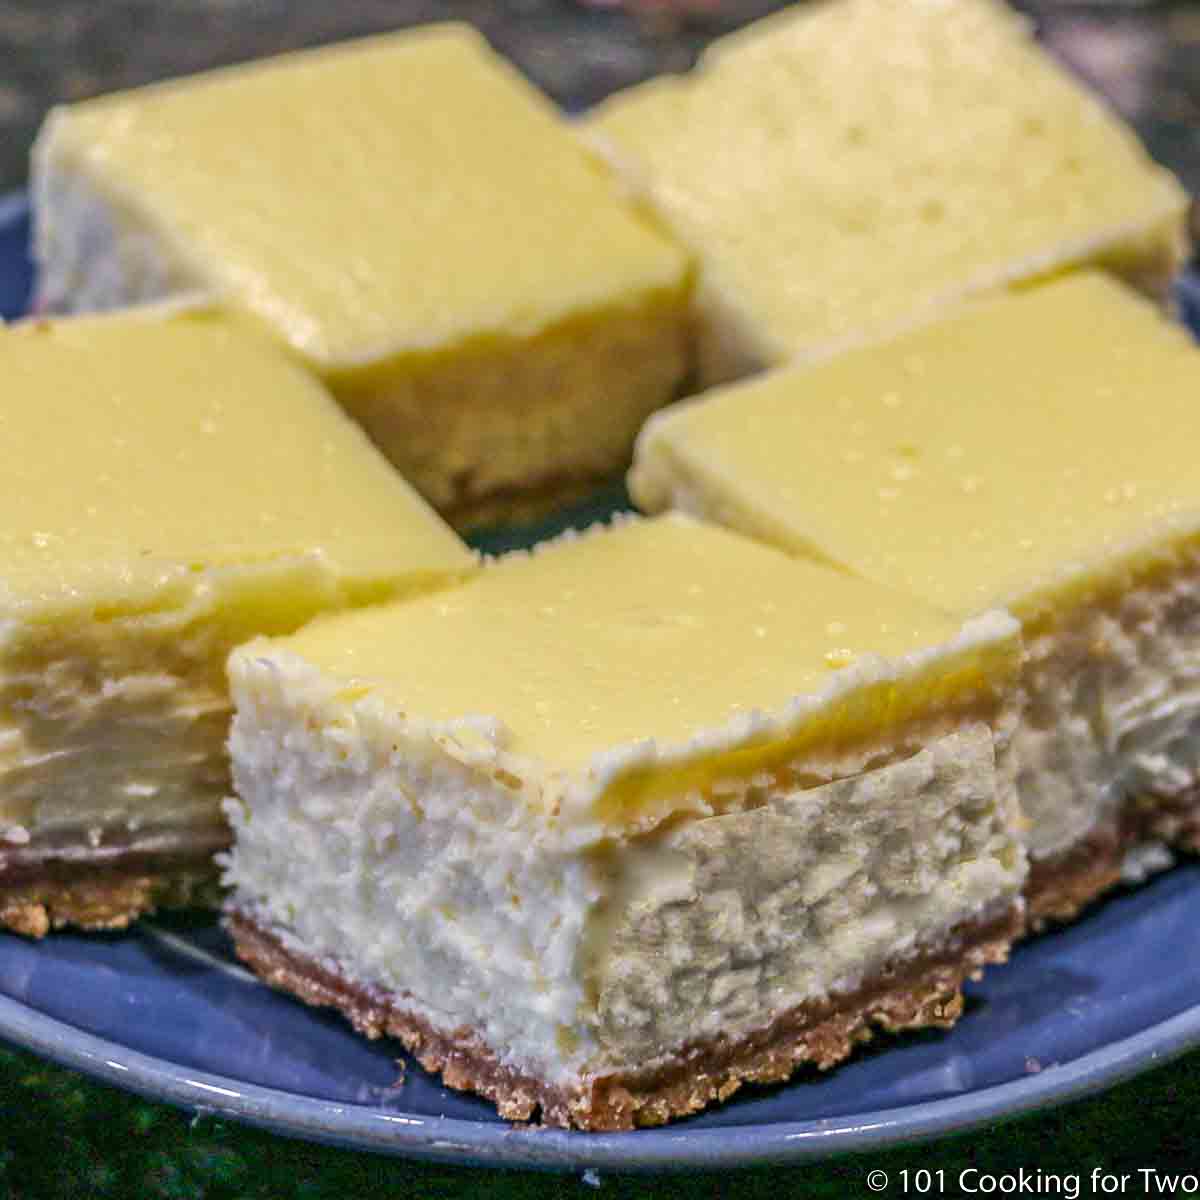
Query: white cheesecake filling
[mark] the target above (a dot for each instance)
(569, 950)
(113, 721)
(83, 755)
(91, 256)
(405, 869)
(1113, 710)
(717, 926)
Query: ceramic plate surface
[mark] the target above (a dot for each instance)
(164, 1010)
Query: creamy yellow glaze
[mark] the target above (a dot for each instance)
(846, 166)
(141, 451)
(1028, 445)
(406, 193)
(664, 630)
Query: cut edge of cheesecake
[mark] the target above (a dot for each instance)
(116, 614)
(99, 874)
(560, 893)
(1127, 601)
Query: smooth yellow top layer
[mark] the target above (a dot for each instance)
(848, 164)
(134, 446)
(1024, 445)
(663, 629)
(401, 193)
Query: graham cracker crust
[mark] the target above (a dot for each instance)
(1059, 888)
(1171, 819)
(540, 500)
(921, 992)
(45, 886)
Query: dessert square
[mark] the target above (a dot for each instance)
(849, 168)
(173, 486)
(415, 223)
(621, 824)
(1033, 452)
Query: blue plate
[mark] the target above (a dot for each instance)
(165, 1010)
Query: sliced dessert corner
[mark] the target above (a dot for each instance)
(157, 513)
(1034, 451)
(622, 824)
(411, 219)
(847, 169)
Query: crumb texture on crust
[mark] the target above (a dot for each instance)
(1171, 819)
(106, 900)
(1060, 887)
(924, 991)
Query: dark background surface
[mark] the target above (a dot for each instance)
(1145, 57)
(64, 1137)
(61, 1135)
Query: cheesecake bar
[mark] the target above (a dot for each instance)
(849, 168)
(1035, 452)
(621, 824)
(416, 224)
(173, 486)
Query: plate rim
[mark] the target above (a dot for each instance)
(496, 1144)
(13, 205)
(487, 1143)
